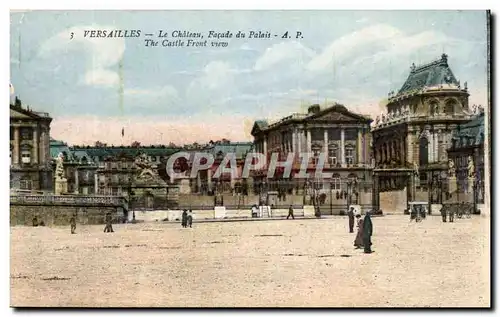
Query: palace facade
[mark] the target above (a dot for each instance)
(411, 139)
(30, 160)
(343, 136)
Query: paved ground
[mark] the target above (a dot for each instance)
(265, 263)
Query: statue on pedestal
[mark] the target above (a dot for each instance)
(470, 168)
(451, 168)
(61, 183)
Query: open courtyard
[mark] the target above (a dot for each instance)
(298, 263)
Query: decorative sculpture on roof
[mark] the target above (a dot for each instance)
(413, 67)
(146, 167)
(458, 84)
(465, 86)
(383, 118)
(470, 167)
(480, 109)
(377, 120)
(60, 166)
(451, 168)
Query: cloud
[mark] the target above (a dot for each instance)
(350, 43)
(101, 53)
(101, 77)
(154, 93)
(285, 52)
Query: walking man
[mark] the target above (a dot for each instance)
(444, 210)
(290, 212)
(109, 226)
(367, 233)
(184, 218)
(451, 213)
(350, 214)
(72, 222)
(190, 219)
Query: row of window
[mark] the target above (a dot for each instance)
(24, 133)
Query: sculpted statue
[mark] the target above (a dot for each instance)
(144, 164)
(415, 169)
(451, 168)
(383, 118)
(465, 85)
(470, 167)
(60, 166)
(377, 120)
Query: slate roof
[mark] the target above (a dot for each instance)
(239, 148)
(470, 133)
(128, 151)
(432, 74)
(77, 155)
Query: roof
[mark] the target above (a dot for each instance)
(435, 73)
(18, 112)
(73, 155)
(333, 113)
(128, 151)
(470, 133)
(239, 148)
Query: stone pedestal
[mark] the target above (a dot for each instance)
(61, 186)
(470, 185)
(185, 188)
(452, 185)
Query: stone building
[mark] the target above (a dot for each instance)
(30, 161)
(410, 140)
(466, 160)
(343, 136)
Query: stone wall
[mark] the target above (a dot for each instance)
(393, 201)
(22, 215)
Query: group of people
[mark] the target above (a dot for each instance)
(187, 219)
(107, 228)
(365, 230)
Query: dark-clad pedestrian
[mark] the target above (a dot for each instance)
(184, 219)
(190, 219)
(451, 213)
(444, 211)
(350, 215)
(72, 223)
(367, 233)
(109, 226)
(290, 213)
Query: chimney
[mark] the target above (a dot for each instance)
(313, 109)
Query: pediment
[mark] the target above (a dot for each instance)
(18, 115)
(335, 116)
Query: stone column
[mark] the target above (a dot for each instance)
(342, 146)
(96, 183)
(299, 139)
(437, 145)
(325, 145)
(209, 179)
(409, 146)
(309, 141)
(198, 181)
(294, 141)
(36, 145)
(265, 146)
(16, 155)
(77, 185)
(359, 147)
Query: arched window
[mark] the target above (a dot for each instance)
(25, 183)
(433, 108)
(424, 151)
(450, 107)
(26, 154)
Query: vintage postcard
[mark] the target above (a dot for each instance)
(250, 159)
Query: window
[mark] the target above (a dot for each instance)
(332, 155)
(335, 185)
(349, 155)
(114, 191)
(26, 156)
(25, 183)
(26, 134)
(115, 178)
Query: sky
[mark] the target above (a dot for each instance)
(94, 87)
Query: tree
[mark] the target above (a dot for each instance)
(100, 144)
(136, 144)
